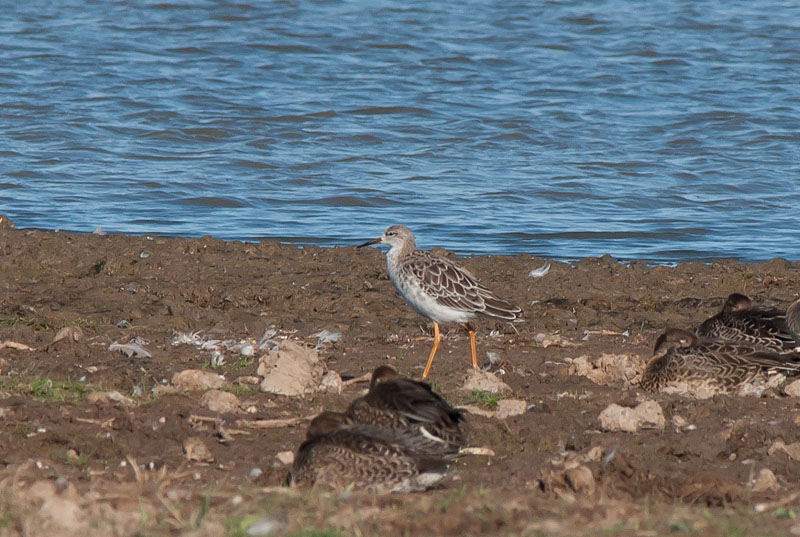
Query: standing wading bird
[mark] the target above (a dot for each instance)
(683, 362)
(740, 320)
(439, 289)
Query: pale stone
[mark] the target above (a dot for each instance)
(291, 369)
(484, 381)
(594, 454)
(106, 398)
(117, 397)
(285, 457)
(580, 479)
(98, 398)
(197, 379)
(679, 422)
(765, 481)
(793, 449)
(546, 339)
(248, 379)
(510, 407)
(793, 388)
(331, 382)
(163, 389)
(195, 450)
(608, 368)
(646, 415)
(219, 401)
(70, 333)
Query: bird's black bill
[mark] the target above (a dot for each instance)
(373, 241)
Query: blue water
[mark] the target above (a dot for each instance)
(648, 130)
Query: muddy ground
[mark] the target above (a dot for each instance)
(74, 461)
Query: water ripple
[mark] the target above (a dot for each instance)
(663, 132)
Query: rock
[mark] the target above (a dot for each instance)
(546, 339)
(608, 368)
(765, 481)
(98, 398)
(117, 397)
(219, 401)
(793, 449)
(285, 457)
(793, 388)
(507, 408)
(485, 381)
(476, 450)
(569, 474)
(162, 389)
(130, 349)
(106, 398)
(594, 454)
(569, 479)
(69, 333)
(331, 382)
(196, 379)
(291, 369)
(195, 450)
(679, 422)
(646, 415)
(580, 479)
(248, 379)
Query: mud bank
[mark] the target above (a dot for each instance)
(97, 439)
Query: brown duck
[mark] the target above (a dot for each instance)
(680, 356)
(428, 423)
(739, 320)
(340, 455)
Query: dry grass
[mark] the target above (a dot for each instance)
(164, 502)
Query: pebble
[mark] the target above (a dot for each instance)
(219, 401)
(646, 415)
(195, 450)
(197, 379)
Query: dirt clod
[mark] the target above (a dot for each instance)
(646, 415)
(196, 379)
(291, 369)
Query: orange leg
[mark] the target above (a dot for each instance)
(436, 340)
(472, 347)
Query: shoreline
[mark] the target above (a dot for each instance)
(294, 242)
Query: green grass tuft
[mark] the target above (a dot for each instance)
(487, 399)
(58, 391)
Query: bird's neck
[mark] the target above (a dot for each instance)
(396, 253)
